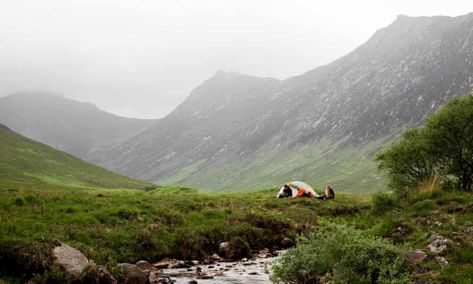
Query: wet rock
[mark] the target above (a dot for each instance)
(71, 260)
(288, 242)
(143, 265)
(216, 257)
(165, 280)
(205, 276)
(179, 264)
(415, 256)
(224, 245)
(162, 264)
(98, 274)
(263, 253)
(172, 264)
(131, 274)
(153, 277)
(234, 249)
(441, 261)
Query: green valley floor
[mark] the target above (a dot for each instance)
(124, 225)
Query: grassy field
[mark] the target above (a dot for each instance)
(112, 226)
(128, 225)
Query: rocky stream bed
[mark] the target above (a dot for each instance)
(255, 270)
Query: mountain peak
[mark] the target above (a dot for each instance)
(228, 74)
(4, 127)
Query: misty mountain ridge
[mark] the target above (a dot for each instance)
(78, 128)
(237, 131)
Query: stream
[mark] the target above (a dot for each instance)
(246, 271)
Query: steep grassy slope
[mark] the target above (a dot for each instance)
(25, 163)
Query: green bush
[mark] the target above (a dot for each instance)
(342, 254)
(20, 201)
(443, 148)
(383, 202)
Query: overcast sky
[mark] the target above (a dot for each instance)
(142, 58)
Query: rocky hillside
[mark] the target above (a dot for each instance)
(237, 131)
(75, 127)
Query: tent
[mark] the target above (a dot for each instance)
(297, 189)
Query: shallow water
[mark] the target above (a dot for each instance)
(251, 271)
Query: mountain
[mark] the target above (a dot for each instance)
(25, 163)
(75, 127)
(237, 131)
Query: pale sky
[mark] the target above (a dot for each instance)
(141, 58)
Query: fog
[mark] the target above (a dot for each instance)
(142, 58)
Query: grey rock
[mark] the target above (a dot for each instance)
(143, 265)
(438, 244)
(234, 249)
(71, 260)
(441, 261)
(288, 242)
(415, 256)
(434, 236)
(153, 277)
(98, 274)
(223, 245)
(132, 274)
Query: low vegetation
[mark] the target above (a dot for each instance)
(340, 253)
(112, 226)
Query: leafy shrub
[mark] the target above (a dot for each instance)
(343, 255)
(442, 149)
(383, 202)
(53, 275)
(20, 201)
(26, 259)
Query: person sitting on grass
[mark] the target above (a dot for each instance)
(329, 193)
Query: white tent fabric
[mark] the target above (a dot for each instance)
(295, 186)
